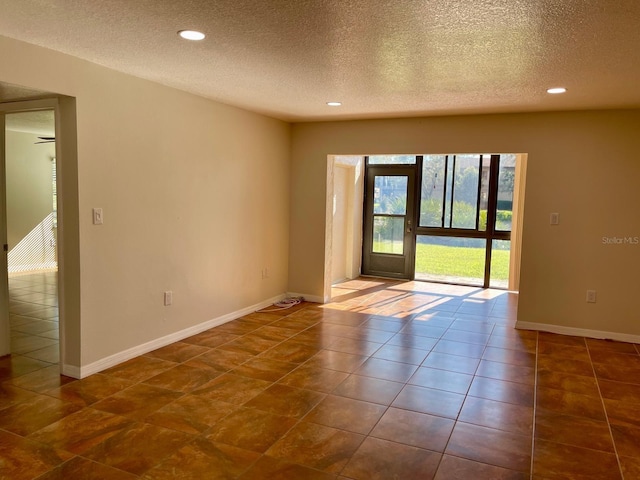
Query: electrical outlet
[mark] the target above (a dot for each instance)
(168, 298)
(554, 219)
(591, 296)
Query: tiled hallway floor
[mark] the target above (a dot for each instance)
(33, 310)
(392, 380)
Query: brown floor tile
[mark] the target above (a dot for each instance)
(614, 359)
(393, 325)
(286, 401)
(454, 363)
(84, 469)
(140, 368)
(441, 380)
(511, 357)
(219, 360)
(290, 351)
(413, 428)
(274, 469)
(566, 352)
(462, 469)
(396, 353)
(24, 459)
(428, 400)
(466, 337)
(573, 367)
(317, 446)
(513, 342)
(250, 429)
(211, 338)
(178, 352)
(137, 402)
(232, 388)
(241, 326)
(558, 461)
(413, 341)
(314, 339)
(191, 414)
(182, 378)
(509, 392)
(626, 392)
(81, 431)
(138, 448)
(249, 344)
(355, 346)
(334, 360)
(583, 385)
(91, 389)
(369, 389)
(13, 366)
(497, 415)
(611, 346)
(264, 369)
(627, 440)
(622, 412)
(34, 413)
(630, 467)
(50, 354)
(459, 348)
(270, 332)
(10, 395)
(422, 329)
(618, 373)
(576, 431)
(570, 403)
(546, 337)
(386, 370)
(380, 460)
(494, 447)
(203, 459)
(506, 372)
(313, 378)
(420, 368)
(346, 414)
(42, 380)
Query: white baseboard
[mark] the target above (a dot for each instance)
(113, 360)
(308, 298)
(70, 371)
(578, 332)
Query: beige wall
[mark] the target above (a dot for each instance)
(29, 186)
(195, 197)
(584, 165)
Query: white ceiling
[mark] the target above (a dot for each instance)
(381, 58)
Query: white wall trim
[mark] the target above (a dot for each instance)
(578, 332)
(113, 360)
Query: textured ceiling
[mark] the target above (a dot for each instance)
(39, 122)
(381, 58)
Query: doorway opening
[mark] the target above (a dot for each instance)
(453, 218)
(32, 239)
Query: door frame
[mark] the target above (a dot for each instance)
(5, 325)
(409, 237)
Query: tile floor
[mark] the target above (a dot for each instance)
(391, 381)
(33, 310)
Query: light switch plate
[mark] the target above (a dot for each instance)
(97, 216)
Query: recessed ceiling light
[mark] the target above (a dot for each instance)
(556, 90)
(334, 104)
(191, 35)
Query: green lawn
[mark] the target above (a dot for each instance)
(460, 261)
(466, 262)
